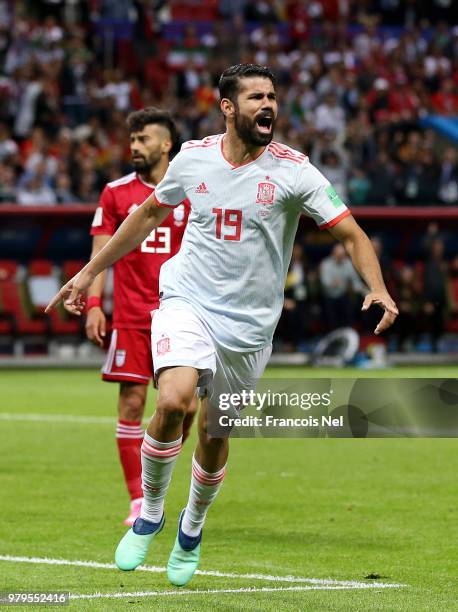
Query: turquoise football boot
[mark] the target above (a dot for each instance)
(184, 558)
(132, 549)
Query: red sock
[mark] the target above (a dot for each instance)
(129, 437)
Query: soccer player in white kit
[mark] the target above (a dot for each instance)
(222, 294)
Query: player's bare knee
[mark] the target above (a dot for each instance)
(172, 406)
(132, 403)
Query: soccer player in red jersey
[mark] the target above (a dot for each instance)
(136, 285)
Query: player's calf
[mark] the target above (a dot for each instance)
(129, 438)
(132, 399)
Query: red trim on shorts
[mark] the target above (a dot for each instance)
(346, 213)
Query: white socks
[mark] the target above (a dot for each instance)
(158, 461)
(204, 488)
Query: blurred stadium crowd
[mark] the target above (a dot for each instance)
(355, 79)
(329, 296)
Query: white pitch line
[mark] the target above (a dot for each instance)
(217, 591)
(214, 573)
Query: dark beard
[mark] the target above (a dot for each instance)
(144, 165)
(247, 132)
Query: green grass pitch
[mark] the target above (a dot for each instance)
(315, 508)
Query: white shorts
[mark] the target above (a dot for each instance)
(179, 338)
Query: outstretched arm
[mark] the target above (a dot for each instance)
(363, 256)
(131, 233)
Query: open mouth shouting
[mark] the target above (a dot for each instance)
(264, 123)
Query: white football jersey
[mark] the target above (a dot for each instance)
(237, 245)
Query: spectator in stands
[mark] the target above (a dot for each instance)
(230, 9)
(433, 233)
(436, 292)
(368, 89)
(334, 167)
(64, 194)
(263, 11)
(378, 99)
(293, 322)
(35, 190)
(88, 187)
(407, 291)
(429, 190)
(359, 187)
(118, 88)
(7, 183)
(381, 176)
(339, 280)
(359, 140)
(35, 150)
(112, 9)
(448, 178)
(330, 116)
(8, 147)
(418, 180)
(445, 100)
(47, 107)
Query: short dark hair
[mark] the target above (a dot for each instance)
(229, 86)
(150, 115)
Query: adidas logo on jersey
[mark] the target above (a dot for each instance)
(202, 188)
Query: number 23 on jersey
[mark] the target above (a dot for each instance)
(159, 241)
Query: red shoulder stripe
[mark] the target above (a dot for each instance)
(287, 150)
(288, 157)
(284, 153)
(208, 141)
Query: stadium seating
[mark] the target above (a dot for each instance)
(43, 283)
(24, 295)
(70, 268)
(23, 327)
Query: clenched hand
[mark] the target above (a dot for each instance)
(384, 300)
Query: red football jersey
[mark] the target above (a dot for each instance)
(136, 275)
